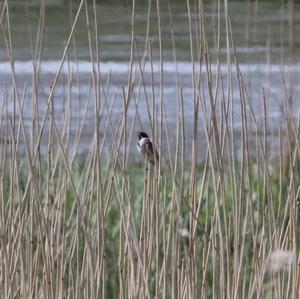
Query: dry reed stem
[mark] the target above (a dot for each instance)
(100, 225)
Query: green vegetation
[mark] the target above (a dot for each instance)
(52, 235)
(100, 225)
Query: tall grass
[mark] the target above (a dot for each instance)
(101, 225)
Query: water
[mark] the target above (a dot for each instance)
(264, 33)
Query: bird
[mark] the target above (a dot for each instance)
(145, 148)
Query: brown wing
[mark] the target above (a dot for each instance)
(150, 153)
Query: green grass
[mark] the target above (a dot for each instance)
(99, 225)
(62, 216)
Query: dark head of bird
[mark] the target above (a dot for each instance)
(141, 135)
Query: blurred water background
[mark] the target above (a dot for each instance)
(265, 34)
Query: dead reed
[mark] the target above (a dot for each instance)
(101, 225)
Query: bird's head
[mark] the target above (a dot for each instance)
(141, 135)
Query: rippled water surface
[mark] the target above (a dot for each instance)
(264, 34)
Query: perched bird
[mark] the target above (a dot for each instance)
(145, 148)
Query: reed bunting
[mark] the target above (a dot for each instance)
(145, 148)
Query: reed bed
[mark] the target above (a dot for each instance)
(104, 225)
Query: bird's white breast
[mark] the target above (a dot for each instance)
(142, 145)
